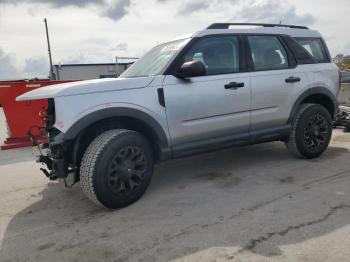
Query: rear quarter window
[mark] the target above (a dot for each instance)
(315, 47)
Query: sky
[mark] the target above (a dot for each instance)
(95, 31)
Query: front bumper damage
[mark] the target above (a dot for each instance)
(53, 155)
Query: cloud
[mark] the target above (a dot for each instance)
(8, 68)
(273, 11)
(87, 56)
(55, 3)
(347, 46)
(88, 27)
(33, 67)
(346, 49)
(113, 9)
(192, 6)
(77, 58)
(267, 11)
(118, 9)
(120, 47)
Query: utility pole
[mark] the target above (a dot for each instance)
(49, 50)
(116, 67)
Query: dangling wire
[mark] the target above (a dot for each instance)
(33, 138)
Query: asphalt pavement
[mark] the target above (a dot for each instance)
(255, 203)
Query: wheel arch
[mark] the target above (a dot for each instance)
(318, 95)
(85, 130)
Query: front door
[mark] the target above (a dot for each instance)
(213, 106)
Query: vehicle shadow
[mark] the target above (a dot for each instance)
(252, 199)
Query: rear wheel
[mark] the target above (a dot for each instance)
(117, 168)
(311, 131)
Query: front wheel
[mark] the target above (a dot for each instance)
(117, 168)
(311, 131)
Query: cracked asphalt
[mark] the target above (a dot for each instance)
(255, 203)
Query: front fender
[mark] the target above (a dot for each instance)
(105, 113)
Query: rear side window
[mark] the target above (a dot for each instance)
(267, 53)
(315, 48)
(301, 55)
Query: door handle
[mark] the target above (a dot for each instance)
(293, 79)
(234, 85)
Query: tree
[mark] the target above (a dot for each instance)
(338, 58)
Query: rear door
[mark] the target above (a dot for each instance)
(276, 81)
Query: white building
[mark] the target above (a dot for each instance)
(89, 71)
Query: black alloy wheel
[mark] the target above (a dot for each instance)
(117, 168)
(126, 171)
(311, 131)
(316, 132)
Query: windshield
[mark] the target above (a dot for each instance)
(155, 61)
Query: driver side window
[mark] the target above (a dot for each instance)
(219, 54)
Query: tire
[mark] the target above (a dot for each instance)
(311, 131)
(116, 168)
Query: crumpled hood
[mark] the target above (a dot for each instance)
(86, 87)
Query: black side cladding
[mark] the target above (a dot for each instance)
(161, 98)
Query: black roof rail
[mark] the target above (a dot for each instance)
(227, 25)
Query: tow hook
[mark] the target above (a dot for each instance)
(46, 160)
(48, 175)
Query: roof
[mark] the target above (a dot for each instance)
(261, 30)
(254, 28)
(227, 25)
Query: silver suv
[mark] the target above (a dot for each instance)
(227, 85)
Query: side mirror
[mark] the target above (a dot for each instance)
(191, 69)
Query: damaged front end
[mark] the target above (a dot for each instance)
(54, 153)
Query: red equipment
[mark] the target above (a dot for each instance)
(22, 116)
